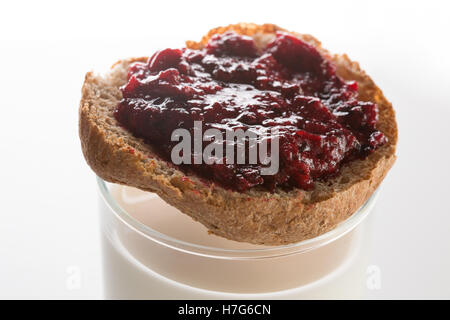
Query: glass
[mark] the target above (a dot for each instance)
(152, 251)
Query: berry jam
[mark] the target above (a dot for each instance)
(230, 85)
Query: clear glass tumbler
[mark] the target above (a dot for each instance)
(152, 251)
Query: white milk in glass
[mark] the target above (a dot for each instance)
(137, 266)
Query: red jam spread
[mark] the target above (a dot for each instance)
(230, 85)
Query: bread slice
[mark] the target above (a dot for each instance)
(255, 216)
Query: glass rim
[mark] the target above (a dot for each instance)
(222, 253)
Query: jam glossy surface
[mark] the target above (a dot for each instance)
(231, 85)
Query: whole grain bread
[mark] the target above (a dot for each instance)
(255, 216)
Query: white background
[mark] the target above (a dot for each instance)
(48, 213)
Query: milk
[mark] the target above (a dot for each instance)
(138, 265)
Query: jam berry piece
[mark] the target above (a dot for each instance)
(167, 58)
(131, 87)
(231, 44)
(352, 86)
(300, 175)
(194, 56)
(137, 69)
(376, 139)
(312, 108)
(296, 54)
(358, 114)
(290, 89)
(238, 73)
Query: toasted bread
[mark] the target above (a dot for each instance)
(255, 216)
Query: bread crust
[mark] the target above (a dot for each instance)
(255, 216)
